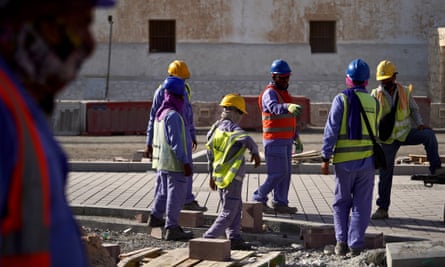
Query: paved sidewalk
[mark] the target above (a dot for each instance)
(416, 211)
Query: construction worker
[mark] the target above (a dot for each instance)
(176, 68)
(279, 132)
(346, 138)
(171, 160)
(392, 94)
(226, 146)
(42, 46)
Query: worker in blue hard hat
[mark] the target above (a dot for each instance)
(42, 47)
(347, 140)
(279, 121)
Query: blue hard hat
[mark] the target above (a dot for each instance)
(280, 66)
(106, 3)
(358, 70)
(174, 85)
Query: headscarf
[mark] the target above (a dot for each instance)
(171, 102)
(354, 123)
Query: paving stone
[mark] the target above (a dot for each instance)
(415, 253)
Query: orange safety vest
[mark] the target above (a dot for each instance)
(24, 229)
(277, 126)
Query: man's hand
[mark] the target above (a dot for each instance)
(212, 184)
(194, 145)
(188, 170)
(294, 109)
(256, 158)
(325, 167)
(148, 153)
(422, 127)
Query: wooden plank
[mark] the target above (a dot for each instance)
(236, 257)
(133, 258)
(171, 258)
(275, 258)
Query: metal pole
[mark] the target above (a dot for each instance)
(110, 20)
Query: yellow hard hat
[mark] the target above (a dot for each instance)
(385, 70)
(234, 100)
(179, 69)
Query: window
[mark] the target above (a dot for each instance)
(162, 36)
(322, 37)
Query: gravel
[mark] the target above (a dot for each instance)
(295, 254)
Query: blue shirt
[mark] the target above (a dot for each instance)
(66, 247)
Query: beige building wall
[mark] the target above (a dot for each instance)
(230, 44)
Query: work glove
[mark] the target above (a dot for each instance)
(188, 170)
(148, 153)
(298, 145)
(325, 167)
(212, 184)
(294, 109)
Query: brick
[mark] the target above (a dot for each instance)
(113, 249)
(191, 218)
(209, 249)
(157, 232)
(374, 240)
(252, 217)
(318, 236)
(415, 253)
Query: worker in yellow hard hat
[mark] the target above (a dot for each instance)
(226, 146)
(176, 68)
(398, 110)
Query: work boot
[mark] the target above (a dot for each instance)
(354, 252)
(176, 233)
(267, 209)
(380, 214)
(439, 172)
(341, 248)
(194, 206)
(155, 222)
(239, 244)
(280, 208)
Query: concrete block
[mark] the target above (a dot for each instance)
(191, 218)
(374, 240)
(252, 217)
(113, 249)
(209, 249)
(157, 232)
(318, 236)
(138, 155)
(415, 253)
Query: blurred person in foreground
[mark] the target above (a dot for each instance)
(42, 46)
(346, 138)
(226, 146)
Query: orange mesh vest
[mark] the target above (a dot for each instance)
(277, 126)
(24, 228)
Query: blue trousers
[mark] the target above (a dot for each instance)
(229, 219)
(415, 137)
(170, 191)
(279, 168)
(354, 184)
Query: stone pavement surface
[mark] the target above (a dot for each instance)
(416, 212)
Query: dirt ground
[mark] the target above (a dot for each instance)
(109, 148)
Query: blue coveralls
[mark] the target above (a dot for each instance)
(170, 188)
(278, 154)
(354, 183)
(66, 247)
(229, 219)
(187, 114)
